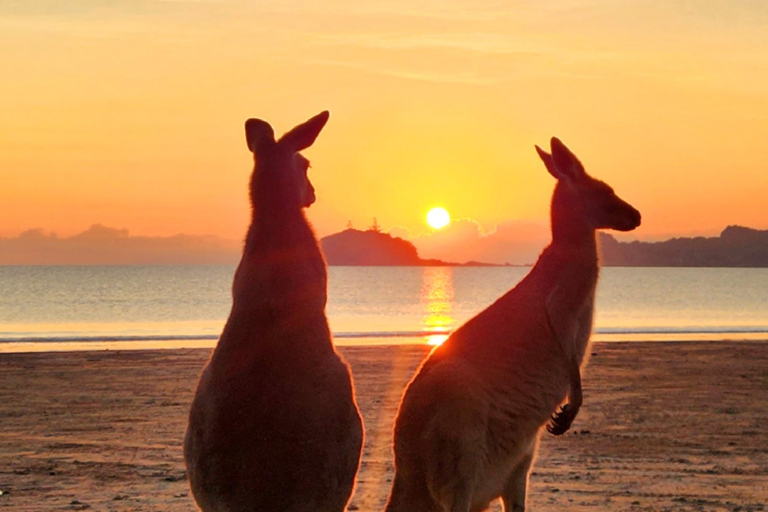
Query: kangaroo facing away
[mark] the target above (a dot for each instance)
(469, 422)
(274, 425)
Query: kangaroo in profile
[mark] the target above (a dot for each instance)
(469, 422)
(274, 425)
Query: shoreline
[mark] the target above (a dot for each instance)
(664, 426)
(428, 339)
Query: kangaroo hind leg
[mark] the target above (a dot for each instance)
(514, 495)
(456, 468)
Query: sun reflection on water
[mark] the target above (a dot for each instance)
(437, 295)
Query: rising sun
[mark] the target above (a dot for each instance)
(438, 217)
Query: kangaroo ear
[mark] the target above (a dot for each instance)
(259, 135)
(549, 163)
(566, 162)
(304, 135)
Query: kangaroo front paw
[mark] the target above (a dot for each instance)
(561, 421)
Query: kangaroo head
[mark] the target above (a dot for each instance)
(584, 195)
(281, 172)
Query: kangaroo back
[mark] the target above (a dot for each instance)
(274, 424)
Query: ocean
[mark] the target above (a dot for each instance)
(112, 307)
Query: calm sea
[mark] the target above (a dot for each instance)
(53, 308)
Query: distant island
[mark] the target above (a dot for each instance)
(353, 247)
(736, 246)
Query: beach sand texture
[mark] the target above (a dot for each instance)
(664, 427)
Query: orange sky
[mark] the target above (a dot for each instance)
(129, 113)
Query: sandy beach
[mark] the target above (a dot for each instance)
(665, 427)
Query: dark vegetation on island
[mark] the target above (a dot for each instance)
(736, 246)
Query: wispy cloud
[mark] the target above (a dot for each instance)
(486, 43)
(88, 19)
(460, 76)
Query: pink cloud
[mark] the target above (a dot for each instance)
(514, 242)
(101, 245)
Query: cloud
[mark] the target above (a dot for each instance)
(463, 240)
(474, 42)
(514, 242)
(101, 245)
(460, 76)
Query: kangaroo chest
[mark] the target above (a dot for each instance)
(584, 319)
(570, 310)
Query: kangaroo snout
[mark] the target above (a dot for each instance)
(631, 220)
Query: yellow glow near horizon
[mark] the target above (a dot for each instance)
(438, 217)
(437, 299)
(141, 129)
(437, 339)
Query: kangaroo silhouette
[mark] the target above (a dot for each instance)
(274, 425)
(469, 422)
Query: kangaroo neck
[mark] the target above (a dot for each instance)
(282, 265)
(578, 242)
(279, 292)
(278, 229)
(572, 255)
(572, 262)
(571, 229)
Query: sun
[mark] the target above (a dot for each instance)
(438, 217)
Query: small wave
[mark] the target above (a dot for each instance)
(196, 337)
(389, 334)
(108, 338)
(683, 330)
(90, 337)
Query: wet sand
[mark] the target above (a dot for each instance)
(664, 427)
